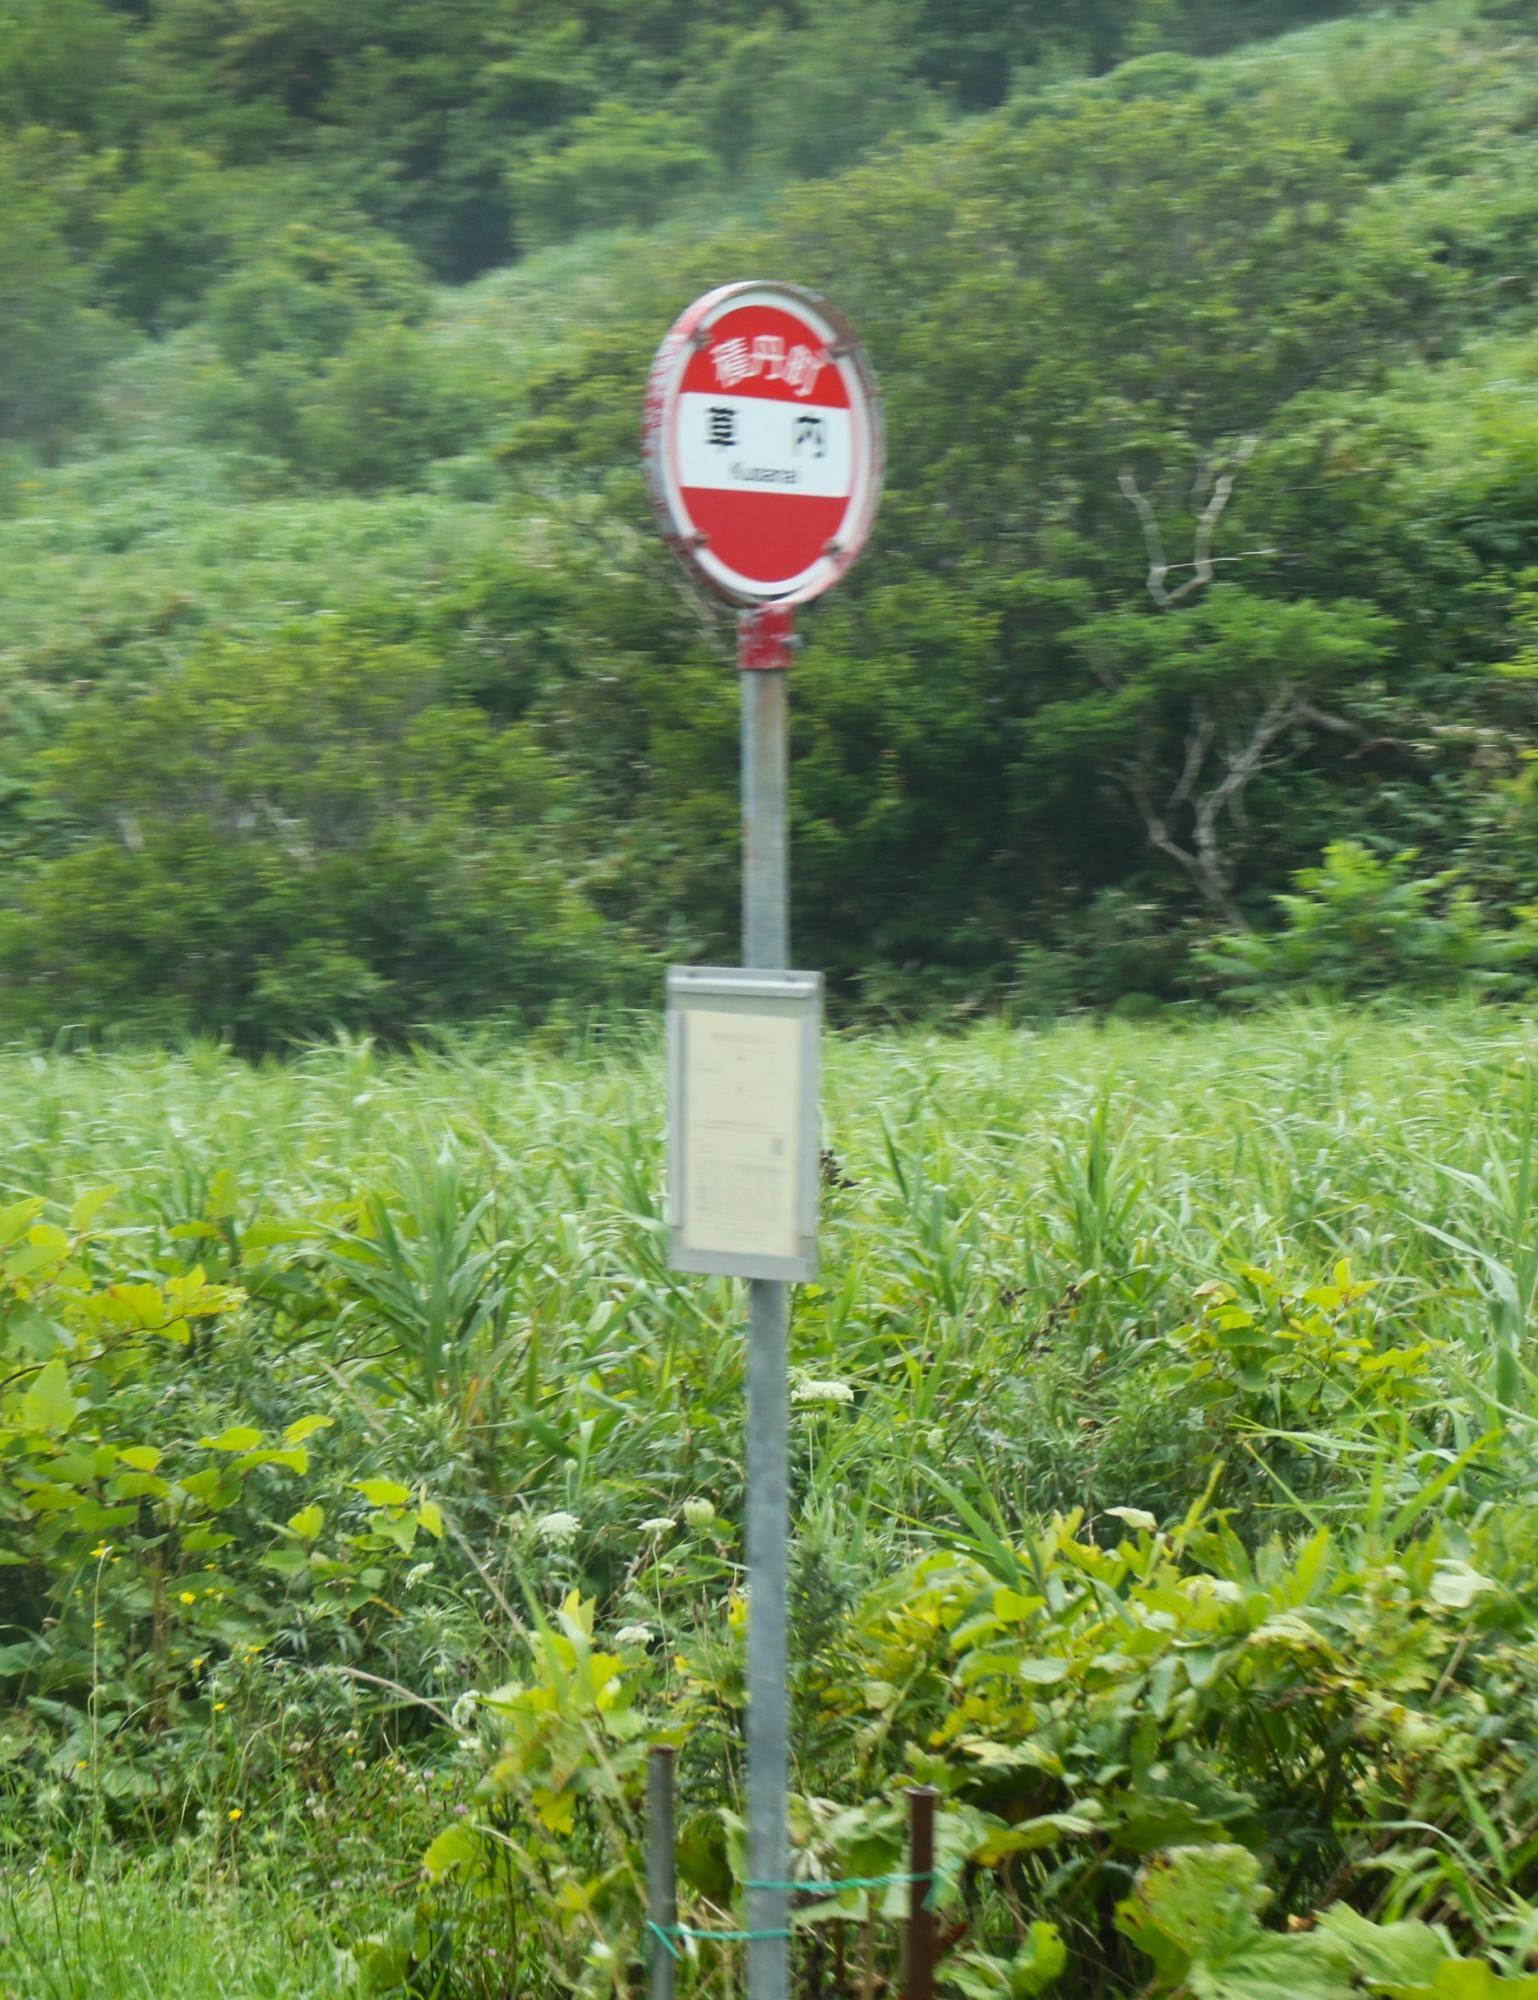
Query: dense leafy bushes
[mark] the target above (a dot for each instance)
(1205, 549)
(57, 339)
(1360, 923)
(315, 832)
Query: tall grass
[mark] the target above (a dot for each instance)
(1005, 1207)
(460, 1251)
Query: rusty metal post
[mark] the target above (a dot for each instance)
(661, 1868)
(921, 1892)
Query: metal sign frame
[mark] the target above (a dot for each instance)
(794, 996)
(692, 330)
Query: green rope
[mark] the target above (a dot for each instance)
(667, 1933)
(837, 1888)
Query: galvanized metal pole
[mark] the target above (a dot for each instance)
(661, 1868)
(764, 652)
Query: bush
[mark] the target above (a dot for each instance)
(319, 363)
(312, 290)
(55, 340)
(1360, 923)
(380, 414)
(280, 840)
(619, 165)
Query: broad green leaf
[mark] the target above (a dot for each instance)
(1047, 1830)
(92, 1517)
(1467, 1979)
(87, 1207)
(16, 1220)
(383, 1492)
(308, 1522)
(1039, 1963)
(306, 1427)
(141, 1457)
(1193, 1900)
(1042, 1673)
(456, 1847)
(239, 1437)
(1455, 1585)
(138, 1486)
(398, 1528)
(1272, 1966)
(198, 1541)
(49, 1238)
(297, 1460)
(430, 1514)
(49, 1404)
(1407, 1953)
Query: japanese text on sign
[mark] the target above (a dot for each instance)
(739, 360)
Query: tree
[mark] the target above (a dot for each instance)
(56, 341)
(312, 833)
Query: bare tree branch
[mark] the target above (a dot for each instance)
(1212, 783)
(1210, 512)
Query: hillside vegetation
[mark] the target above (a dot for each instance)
(343, 677)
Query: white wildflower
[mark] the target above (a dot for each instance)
(822, 1392)
(699, 1513)
(557, 1528)
(659, 1524)
(462, 1714)
(633, 1635)
(416, 1573)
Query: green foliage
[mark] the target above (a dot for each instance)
(310, 293)
(566, 1783)
(1177, 1574)
(324, 366)
(618, 165)
(379, 414)
(56, 339)
(1272, 319)
(402, 864)
(1361, 923)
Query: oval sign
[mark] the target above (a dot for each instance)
(763, 442)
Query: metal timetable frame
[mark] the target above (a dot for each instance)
(795, 996)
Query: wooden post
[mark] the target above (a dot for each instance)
(921, 1892)
(661, 1868)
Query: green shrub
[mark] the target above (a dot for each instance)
(156, 1544)
(320, 363)
(1361, 923)
(380, 413)
(616, 165)
(56, 341)
(304, 834)
(310, 291)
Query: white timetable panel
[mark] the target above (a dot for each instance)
(742, 1127)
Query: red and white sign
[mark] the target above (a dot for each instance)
(763, 442)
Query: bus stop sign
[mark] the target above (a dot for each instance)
(763, 442)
